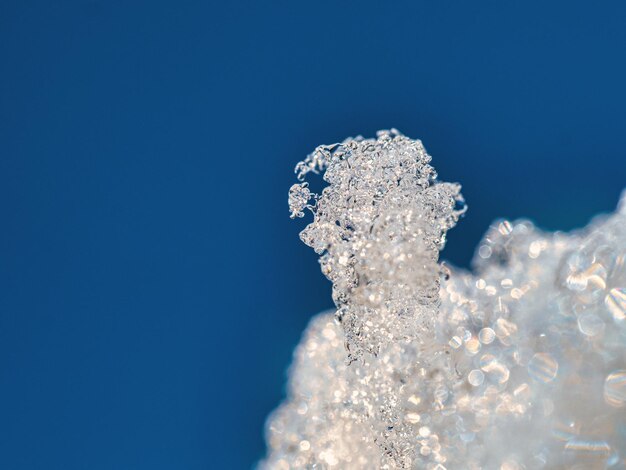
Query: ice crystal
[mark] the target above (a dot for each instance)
(518, 365)
(378, 226)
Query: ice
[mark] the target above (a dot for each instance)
(519, 364)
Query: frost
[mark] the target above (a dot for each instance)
(378, 226)
(299, 195)
(518, 365)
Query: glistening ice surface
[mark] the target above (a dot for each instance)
(520, 364)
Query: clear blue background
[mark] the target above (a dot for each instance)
(152, 287)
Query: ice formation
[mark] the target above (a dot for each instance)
(520, 364)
